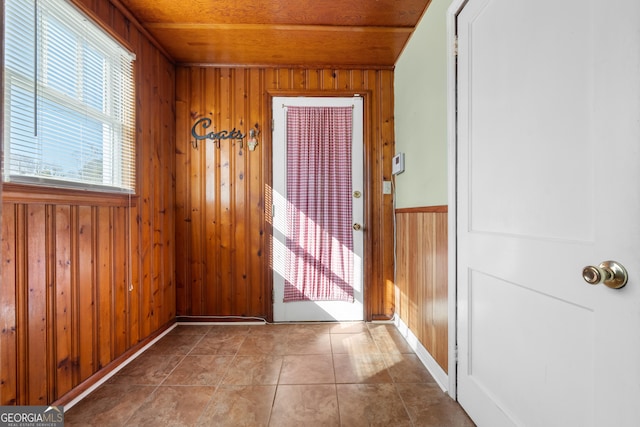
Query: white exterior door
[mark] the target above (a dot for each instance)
(548, 143)
(315, 310)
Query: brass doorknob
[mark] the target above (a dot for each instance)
(611, 273)
(357, 226)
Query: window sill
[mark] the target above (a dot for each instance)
(22, 193)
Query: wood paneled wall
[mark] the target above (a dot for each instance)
(69, 259)
(223, 194)
(421, 277)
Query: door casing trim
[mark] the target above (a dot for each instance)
(452, 301)
(267, 162)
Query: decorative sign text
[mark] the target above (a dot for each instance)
(215, 136)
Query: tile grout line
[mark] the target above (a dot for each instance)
(335, 379)
(275, 393)
(157, 386)
(222, 377)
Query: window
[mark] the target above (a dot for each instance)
(69, 100)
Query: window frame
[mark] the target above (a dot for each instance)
(49, 189)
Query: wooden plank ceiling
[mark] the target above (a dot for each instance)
(308, 33)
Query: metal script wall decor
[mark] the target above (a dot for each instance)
(215, 136)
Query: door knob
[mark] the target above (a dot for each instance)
(611, 273)
(357, 226)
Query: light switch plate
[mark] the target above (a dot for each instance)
(386, 187)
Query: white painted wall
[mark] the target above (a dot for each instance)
(420, 89)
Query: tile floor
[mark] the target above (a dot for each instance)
(321, 374)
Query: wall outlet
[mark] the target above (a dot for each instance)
(386, 187)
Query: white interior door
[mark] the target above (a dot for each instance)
(548, 182)
(315, 310)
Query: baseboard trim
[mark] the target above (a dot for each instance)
(220, 320)
(427, 360)
(83, 389)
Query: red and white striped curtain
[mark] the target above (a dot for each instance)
(319, 261)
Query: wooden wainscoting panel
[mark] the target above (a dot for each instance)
(421, 277)
(35, 302)
(239, 194)
(257, 297)
(104, 289)
(86, 325)
(60, 299)
(415, 280)
(9, 337)
(120, 261)
(441, 288)
(402, 272)
(423, 263)
(134, 301)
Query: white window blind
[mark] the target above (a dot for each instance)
(69, 100)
